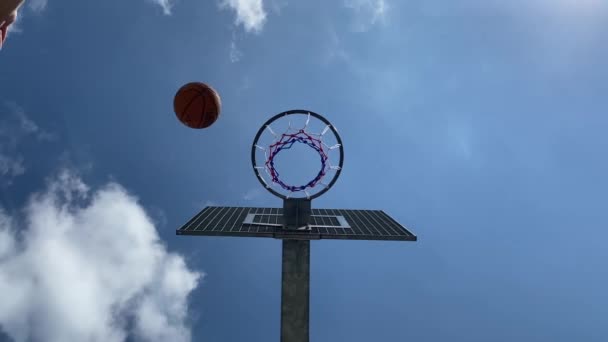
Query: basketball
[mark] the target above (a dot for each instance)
(197, 105)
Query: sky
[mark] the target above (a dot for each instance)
(479, 125)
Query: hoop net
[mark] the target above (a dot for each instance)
(285, 141)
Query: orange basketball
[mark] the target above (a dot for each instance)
(197, 105)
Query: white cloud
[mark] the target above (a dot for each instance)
(367, 13)
(166, 5)
(82, 263)
(249, 13)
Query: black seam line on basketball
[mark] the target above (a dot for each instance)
(202, 95)
(200, 124)
(214, 95)
(192, 89)
(185, 111)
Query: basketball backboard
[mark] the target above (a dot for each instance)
(344, 224)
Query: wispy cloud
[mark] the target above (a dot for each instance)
(209, 203)
(249, 13)
(65, 276)
(235, 53)
(26, 125)
(252, 194)
(166, 5)
(11, 167)
(367, 13)
(37, 5)
(15, 128)
(203, 204)
(334, 51)
(158, 216)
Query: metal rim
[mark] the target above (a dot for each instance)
(278, 116)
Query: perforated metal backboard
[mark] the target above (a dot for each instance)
(324, 224)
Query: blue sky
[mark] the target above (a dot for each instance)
(480, 125)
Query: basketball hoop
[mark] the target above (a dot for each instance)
(310, 129)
